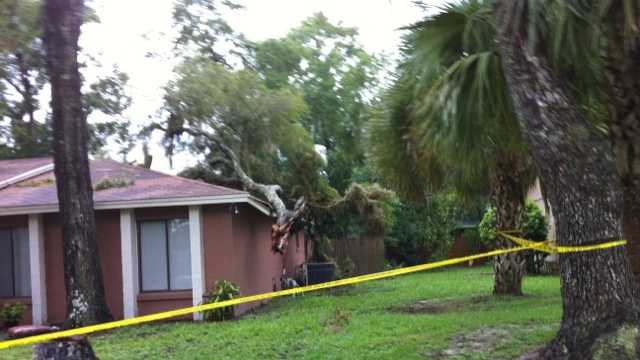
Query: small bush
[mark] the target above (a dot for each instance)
(11, 314)
(421, 233)
(223, 290)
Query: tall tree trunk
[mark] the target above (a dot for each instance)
(622, 70)
(83, 276)
(577, 170)
(28, 90)
(507, 195)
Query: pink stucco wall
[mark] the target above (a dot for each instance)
(237, 247)
(108, 238)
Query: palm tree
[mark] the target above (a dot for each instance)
(596, 46)
(449, 122)
(576, 167)
(620, 23)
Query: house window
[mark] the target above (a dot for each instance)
(165, 255)
(15, 276)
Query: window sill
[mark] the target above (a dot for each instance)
(165, 295)
(21, 299)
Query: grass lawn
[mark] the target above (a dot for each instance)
(447, 314)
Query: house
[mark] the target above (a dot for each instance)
(464, 245)
(536, 196)
(163, 240)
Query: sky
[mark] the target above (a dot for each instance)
(130, 30)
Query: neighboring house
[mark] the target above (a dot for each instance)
(163, 240)
(535, 195)
(464, 246)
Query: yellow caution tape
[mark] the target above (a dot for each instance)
(525, 245)
(552, 248)
(246, 299)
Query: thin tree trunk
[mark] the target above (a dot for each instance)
(83, 276)
(576, 167)
(28, 91)
(622, 69)
(507, 196)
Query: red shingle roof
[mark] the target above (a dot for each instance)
(12, 168)
(147, 184)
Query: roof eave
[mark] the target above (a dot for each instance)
(148, 203)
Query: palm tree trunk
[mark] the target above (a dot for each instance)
(507, 196)
(622, 69)
(576, 167)
(82, 273)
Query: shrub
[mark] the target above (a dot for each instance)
(424, 232)
(11, 314)
(223, 290)
(534, 227)
(487, 229)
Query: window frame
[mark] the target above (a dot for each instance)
(11, 230)
(165, 221)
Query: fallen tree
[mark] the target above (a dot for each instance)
(287, 220)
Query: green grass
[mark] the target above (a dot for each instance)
(362, 322)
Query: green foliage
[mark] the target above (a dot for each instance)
(108, 97)
(12, 313)
(336, 77)
(534, 225)
(261, 125)
(363, 210)
(304, 91)
(448, 115)
(487, 228)
(201, 28)
(223, 290)
(422, 233)
(23, 76)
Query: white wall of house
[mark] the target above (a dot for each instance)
(37, 270)
(535, 194)
(130, 278)
(197, 257)
(131, 253)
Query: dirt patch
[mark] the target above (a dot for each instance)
(431, 307)
(483, 340)
(439, 306)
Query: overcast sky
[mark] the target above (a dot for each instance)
(131, 29)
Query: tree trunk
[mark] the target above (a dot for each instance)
(67, 349)
(507, 196)
(83, 276)
(577, 170)
(287, 221)
(28, 91)
(622, 70)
